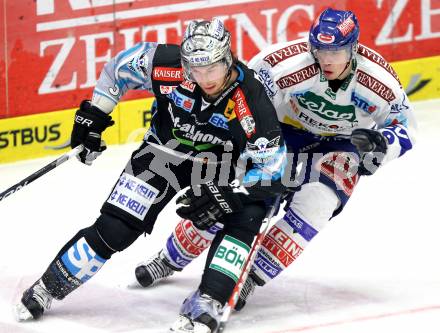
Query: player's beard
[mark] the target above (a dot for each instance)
(226, 83)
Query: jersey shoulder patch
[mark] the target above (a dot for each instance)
(286, 52)
(376, 58)
(375, 85)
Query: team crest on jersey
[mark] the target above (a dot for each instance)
(165, 90)
(248, 124)
(400, 107)
(243, 113)
(138, 64)
(262, 149)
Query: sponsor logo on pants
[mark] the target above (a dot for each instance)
(133, 196)
(230, 257)
(81, 261)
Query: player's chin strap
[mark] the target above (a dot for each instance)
(345, 68)
(354, 50)
(273, 209)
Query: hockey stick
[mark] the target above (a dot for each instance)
(247, 266)
(75, 151)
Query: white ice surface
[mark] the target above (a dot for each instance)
(375, 268)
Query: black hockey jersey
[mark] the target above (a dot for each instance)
(241, 121)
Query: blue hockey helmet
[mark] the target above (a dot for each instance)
(334, 30)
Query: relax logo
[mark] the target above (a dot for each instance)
(326, 109)
(187, 135)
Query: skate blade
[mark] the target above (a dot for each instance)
(134, 285)
(185, 325)
(182, 325)
(21, 313)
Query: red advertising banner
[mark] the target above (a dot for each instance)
(3, 73)
(53, 51)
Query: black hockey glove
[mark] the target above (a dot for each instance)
(372, 147)
(89, 123)
(206, 209)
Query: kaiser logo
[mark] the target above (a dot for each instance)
(243, 113)
(326, 39)
(167, 74)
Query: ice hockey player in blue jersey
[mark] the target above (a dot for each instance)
(212, 112)
(343, 113)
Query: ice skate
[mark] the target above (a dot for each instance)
(248, 289)
(35, 300)
(153, 270)
(198, 314)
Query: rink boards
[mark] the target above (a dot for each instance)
(49, 133)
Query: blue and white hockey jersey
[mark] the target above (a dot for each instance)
(371, 96)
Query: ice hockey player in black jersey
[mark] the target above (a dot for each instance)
(212, 113)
